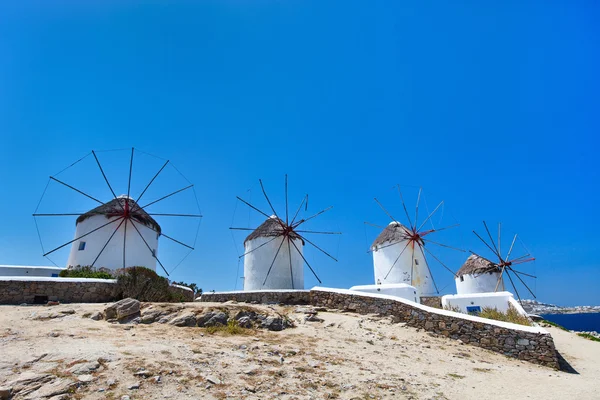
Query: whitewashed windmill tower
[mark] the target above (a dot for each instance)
(118, 233)
(109, 243)
(400, 252)
(480, 275)
(274, 252)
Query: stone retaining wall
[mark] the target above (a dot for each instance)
(185, 293)
(432, 301)
(259, 296)
(31, 290)
(65, 290)
(526, 343)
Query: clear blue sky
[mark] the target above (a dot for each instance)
(492, 107)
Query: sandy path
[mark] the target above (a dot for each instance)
(347, 356)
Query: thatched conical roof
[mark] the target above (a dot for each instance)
(115, 207)
(270, 228)
(394, 232)
(477, 265)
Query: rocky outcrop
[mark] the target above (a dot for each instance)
(123, 309)
(529, 344)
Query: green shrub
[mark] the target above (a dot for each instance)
(511, 315)
(232, 328)
(588, 336)
(86, 271)
(143, 284)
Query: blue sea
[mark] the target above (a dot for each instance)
(576, 322)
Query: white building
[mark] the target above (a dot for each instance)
(109, 253)
(261, 248)
(395, 262)
(27, 270)
(479, 275)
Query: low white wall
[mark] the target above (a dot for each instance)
(402, 290)
(27, 270)
(475, 302)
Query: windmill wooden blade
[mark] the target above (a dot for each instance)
(514, 287)
(290, 258)
(492, 239)
(286, 205)
(511, 247)
(404, 206)
(150, 249)
(299, 208)
(417, 210)
(309, 266)
(150, 183)
(267, 197)
(258, 247)
(524, 284)
(274, 258)
(442, 245)
(488, 246)
(124, 240)
(317, 247)
(440, 261)
(429, 269)
(251, 206)
(499, 279)
(82, 236)
(311, 217)
(75, 189)
(105, 179)
(397, 258)
(108, 241)
(429, 216)
(384, 210)
(130, 171)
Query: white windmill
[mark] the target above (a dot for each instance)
(274, 252)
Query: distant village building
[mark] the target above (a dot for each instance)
(479, 275)
(270, 262)
(396, 262)
(98, 248)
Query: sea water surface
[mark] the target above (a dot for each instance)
(576, 322)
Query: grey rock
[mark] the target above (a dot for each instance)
(273, 324)
(97, 316)
(203, 319)
(126, 308)
(135, 386)
(85, 378)
(245, 322)
(217, 319)
(84, 368)
(213, 379)
(523, 342)
(69, 311)
(58, 387)
(125, 397)
(184, 320)
(313, 318)
(143, 373)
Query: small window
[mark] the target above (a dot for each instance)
(462, 278)
(157, 236)
(81, 246)
(416, 262)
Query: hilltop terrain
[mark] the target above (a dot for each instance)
(61, 353)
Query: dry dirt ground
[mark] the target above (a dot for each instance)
(346, 356)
